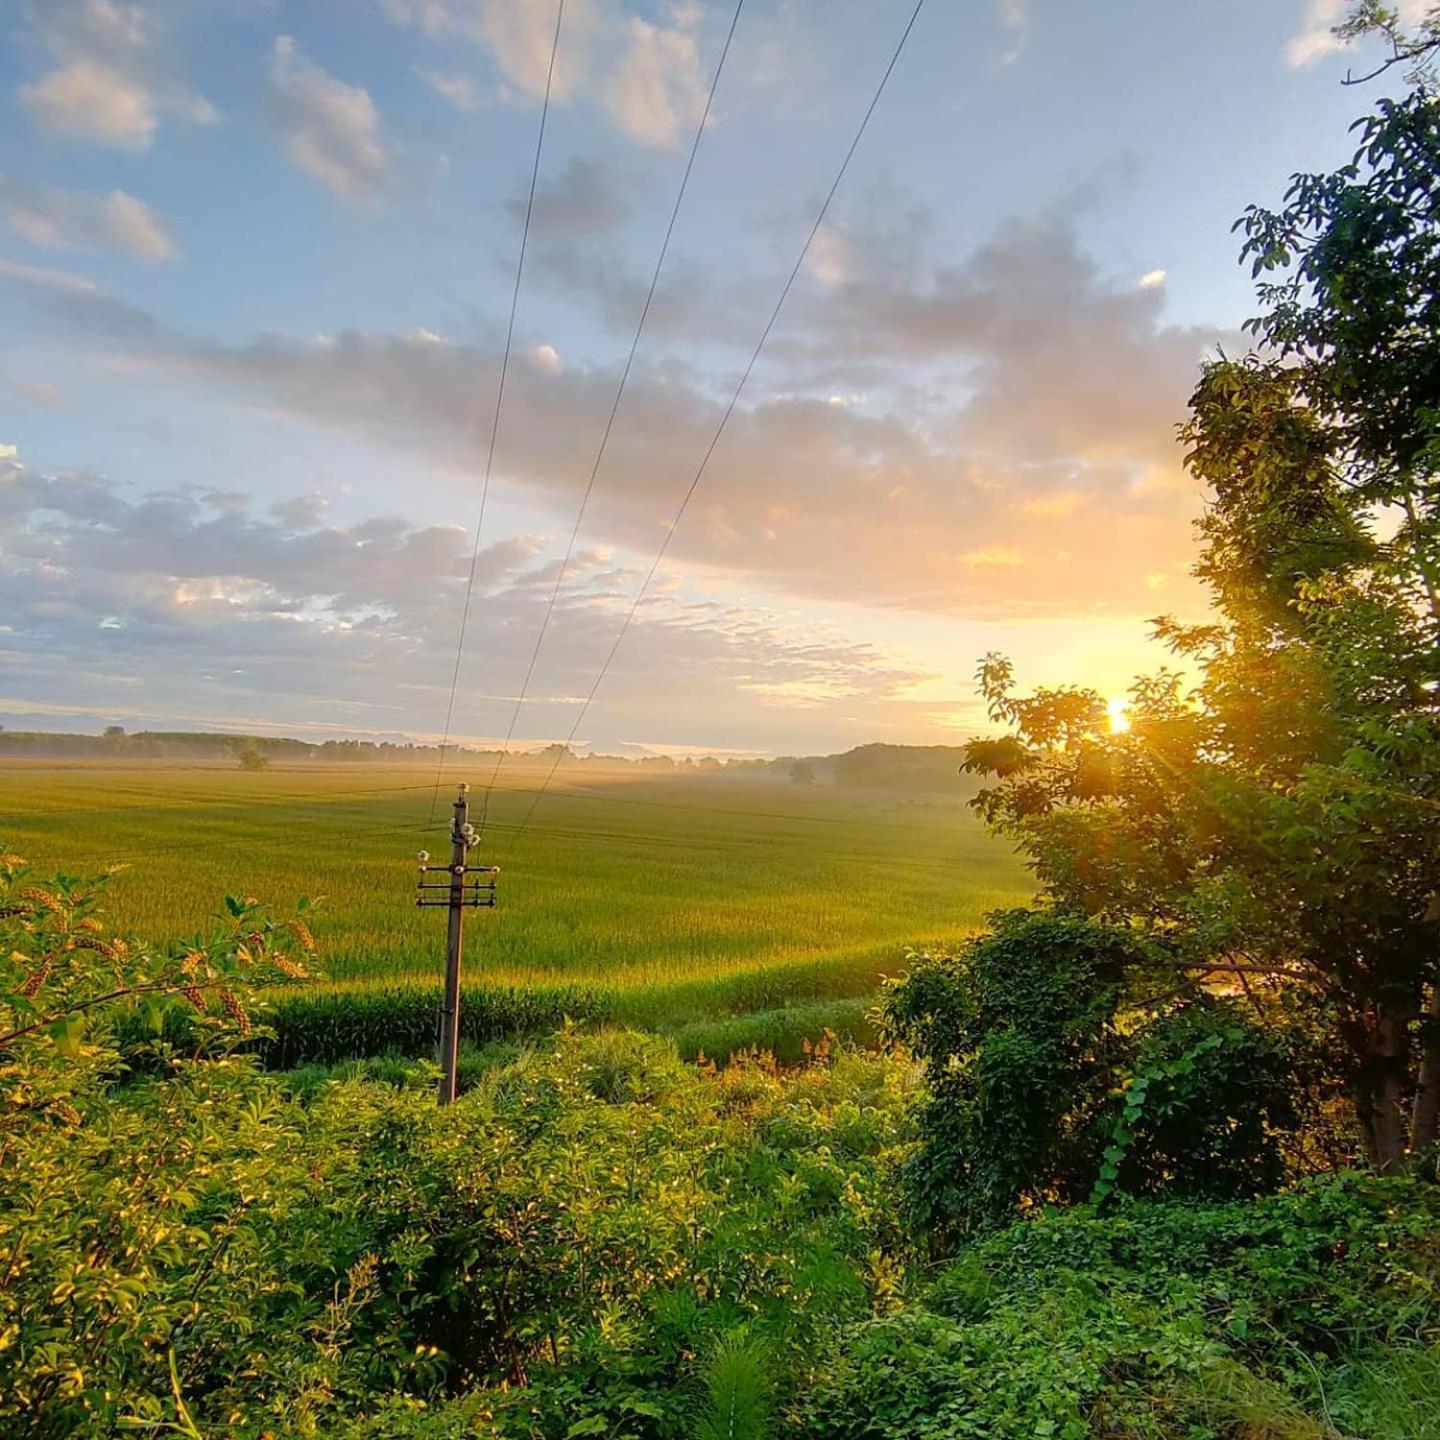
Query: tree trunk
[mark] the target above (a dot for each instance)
(1425, 1115)
(1380, 1087)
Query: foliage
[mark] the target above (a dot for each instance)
(112, 1217)
(738, 1403)
(1258, 1318)
(1209, 1100)
(1051, 1077)
(252, 756)
(1282, 820)
(1019, 1034)
(1413, 49)
(597, 1235)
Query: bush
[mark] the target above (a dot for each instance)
(1052, 1080)
(1020, 1039)
(1164, 1320)
(597, 1239)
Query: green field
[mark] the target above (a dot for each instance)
(672, 903)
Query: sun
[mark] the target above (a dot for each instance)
(1116, 709)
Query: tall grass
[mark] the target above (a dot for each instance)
(659, 903)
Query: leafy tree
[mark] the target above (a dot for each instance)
(1278, 825)
(252, 756)
(802, 772)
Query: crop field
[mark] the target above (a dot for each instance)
(673, 903)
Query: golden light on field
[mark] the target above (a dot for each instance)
(1116, 708)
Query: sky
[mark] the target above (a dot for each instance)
(257, 261)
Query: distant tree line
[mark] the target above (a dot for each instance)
(916, 768)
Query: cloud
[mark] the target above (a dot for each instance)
(457, 89)
(331, 130)
(1015, 454)
(546, 357)
(114, 74)
(657, 91)
(519, 34)
(65, 220)
(284, 615)
(828, 257)
(1015, 19)
(1152, 279)
(646, 74)
(40, 392)
(47, 279)
(88, 101)
(587, 195)
(1316, 38)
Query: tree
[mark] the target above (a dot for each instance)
(251, 756)
(802, 772)
(1281, 822)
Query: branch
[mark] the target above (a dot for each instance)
(1207, 966)
(1402, 55)
(155, 987)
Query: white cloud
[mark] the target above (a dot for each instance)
(1015, 17)
(331, 130)
(646, 73)
(113, 77)
(66, 220)
(657, 90)
(828, 258)
(546, 357)
(521, 36)
(135, 228)
(1316, 39)
(457, 89)
(47, 279)
(945, 500)
(194, 588)
(1152, 279)
(89, 101)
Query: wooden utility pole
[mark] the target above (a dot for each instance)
(460, 893)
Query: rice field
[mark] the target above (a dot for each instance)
(676, 902)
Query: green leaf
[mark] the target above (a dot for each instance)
(67, 1032)
(590, 1425)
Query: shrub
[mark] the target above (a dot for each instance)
(597, 1239)
(1019, 1035)
(1251, 1318)
(1052, 1079)
(1209, 1097)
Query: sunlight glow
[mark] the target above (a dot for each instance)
(1116, 708)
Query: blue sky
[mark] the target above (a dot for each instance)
(256, 261)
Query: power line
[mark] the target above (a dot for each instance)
(610, 422)
(729, 410)
(499, 401)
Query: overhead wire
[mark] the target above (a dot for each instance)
(499, 403)
(614, 411)
(727, 413)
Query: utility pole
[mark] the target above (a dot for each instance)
(461, 893)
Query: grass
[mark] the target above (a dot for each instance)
(673, 904)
